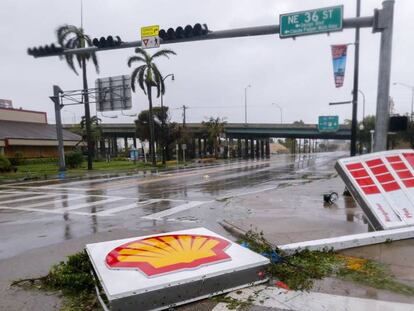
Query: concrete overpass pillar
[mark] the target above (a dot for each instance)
(257, 149)
(267, 148)
(239, 148)
(115, 146)
(102, 146)
(199, 147)
(262, 151)
(252, 148)
(246, 148)
(126, 143)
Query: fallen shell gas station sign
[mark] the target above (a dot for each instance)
(161, 271)
(383, 185)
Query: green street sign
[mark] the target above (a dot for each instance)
(311, 22)
(328, 124)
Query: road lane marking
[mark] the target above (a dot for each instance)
(121, 184)
(90, 181)
(30, 198)
(45, 203)
(174, 210)
(43, 211)
(87, 204)
(111, 211)
(12, 195)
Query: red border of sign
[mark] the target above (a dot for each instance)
(219, 250)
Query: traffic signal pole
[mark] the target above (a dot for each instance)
(348, 23)
(382, 21)
(59, 133)
(385, 24)
(354, 124)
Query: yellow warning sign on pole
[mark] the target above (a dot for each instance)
(150, 31)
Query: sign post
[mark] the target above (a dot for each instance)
(184, 147)
(149, 37)
(311, 22)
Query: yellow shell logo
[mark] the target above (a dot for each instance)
(168, 253)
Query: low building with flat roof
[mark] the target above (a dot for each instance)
(27, 134)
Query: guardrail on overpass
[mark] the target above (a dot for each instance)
(241, 130)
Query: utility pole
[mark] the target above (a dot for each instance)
(59, 133)
(87, 115)
(184, 107)
(355, 88)
(385, 25)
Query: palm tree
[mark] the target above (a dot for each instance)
(214, 128)
(72, 37)
(147, 76)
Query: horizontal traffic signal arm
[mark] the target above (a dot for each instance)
(108, 42)
(45, 50)
(361, 22)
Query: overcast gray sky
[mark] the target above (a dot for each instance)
(296, 74)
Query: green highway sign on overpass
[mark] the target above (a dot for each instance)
(311, 22)
(328, 124)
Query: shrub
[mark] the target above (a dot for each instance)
(41, 160)
(17, 159)
(5, 165)
(119, 159)
(74, 159)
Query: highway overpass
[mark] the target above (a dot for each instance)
(241, 130)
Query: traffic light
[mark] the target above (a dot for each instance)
(181, 33)
(47, 50)
(107, 42)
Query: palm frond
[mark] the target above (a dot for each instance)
(134, 78)
(72, 37)
(141, 79)
(144, 53)
(164, 52)
(95, 61)
(69, 61)
(158, 80)
(137, 76)
(133, 59)
(63, 32)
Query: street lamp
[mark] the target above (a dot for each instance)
(412, 95)
(281, 111)
(163, 119)
(163, 79)
(245, 103)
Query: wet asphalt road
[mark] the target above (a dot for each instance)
(42, 213)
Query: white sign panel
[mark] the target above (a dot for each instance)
(149, 37)
(113, 93)
(383, 185)
(150, 42)
(150, 264)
